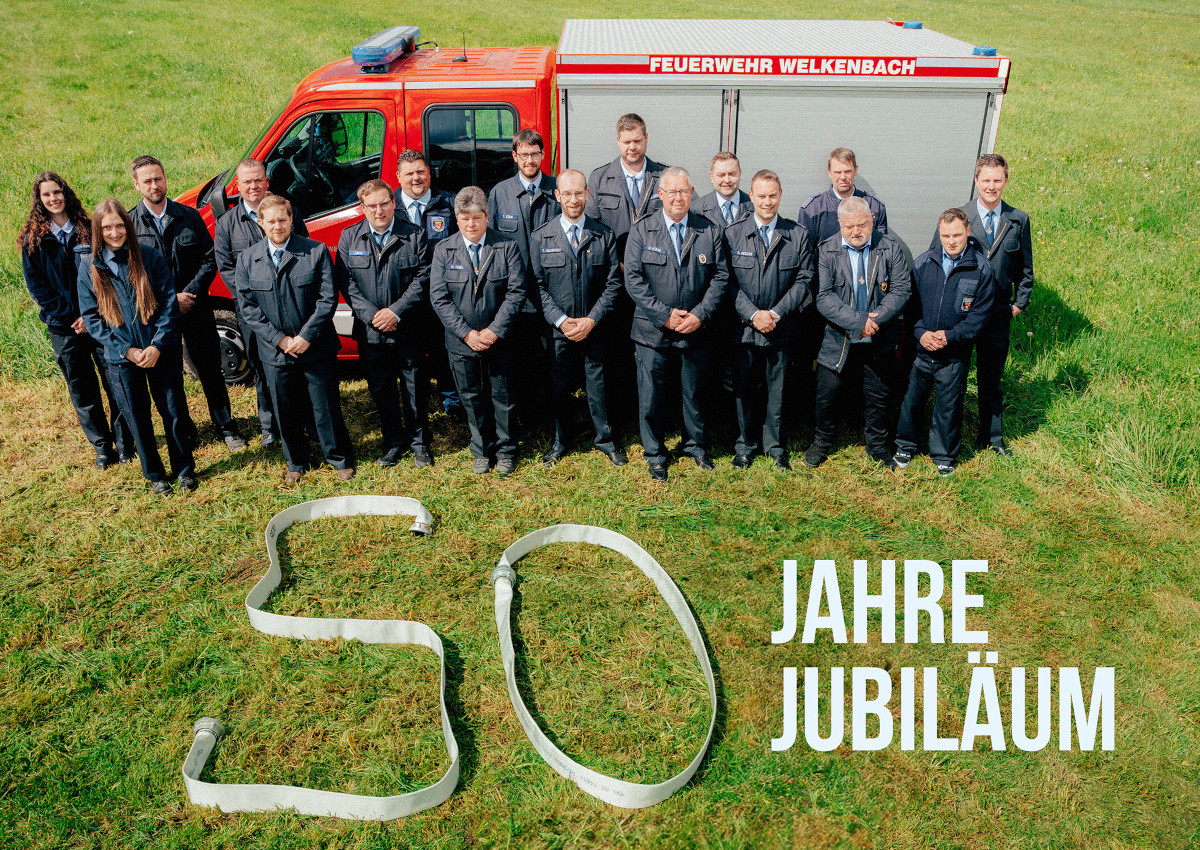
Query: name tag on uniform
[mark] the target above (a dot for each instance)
(654, 249)
(550, 250)
(743, 253)
(455, 266)
(359, 253)
(507, 215)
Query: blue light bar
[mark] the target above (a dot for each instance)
(381, 49)
(984, 50)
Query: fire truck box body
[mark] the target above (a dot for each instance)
(917, 107)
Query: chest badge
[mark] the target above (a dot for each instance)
(703, 259)
(883, 287)
(437, 223)
(966, 304)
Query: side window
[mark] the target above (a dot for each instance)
(323, 158)
(470, 146)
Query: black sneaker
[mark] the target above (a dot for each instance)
(161, 488)
(390, 457)
(902, 459)
(815, 456)
(945, 470)
(1000, 449)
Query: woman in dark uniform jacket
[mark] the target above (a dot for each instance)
(127, 299)
(56, 226)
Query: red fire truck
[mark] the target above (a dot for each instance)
(917, 107)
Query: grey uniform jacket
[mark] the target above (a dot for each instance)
(396, 278)
(709, 206)
(509, 203)
(609, 201)
(184, 244)
(575, 285)
(778, 279)
(297, 299)
(234, 233)
(657, 282)
(465, 300)
(889, 284)
(1010, 254)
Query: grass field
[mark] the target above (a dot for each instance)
(121, 617)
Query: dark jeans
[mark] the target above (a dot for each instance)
(566, 360)
(762, 373)
(200, 335)
(868, 369)
(78, 357)
(659, 372)
(991, 353)
(304, 392)
(485, 388)
(394, 377)
(133, 388)
(945, 426)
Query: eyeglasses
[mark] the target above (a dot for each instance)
(380, 206)
(529, 156)
(674, 193)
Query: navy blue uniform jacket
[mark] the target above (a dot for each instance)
(1010, 256)
(396, 278)
(959, 305)
(779, 279)
(657, 282)
(116, 340)
(439, 215)
(184, 244)
(819, 214)
(889, 283)
(466, 301)
(578, 286)
(52, 278)
(235, 231)
(297, 299)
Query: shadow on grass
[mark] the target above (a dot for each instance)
(525, 688)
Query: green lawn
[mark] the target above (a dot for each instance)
(121, 617)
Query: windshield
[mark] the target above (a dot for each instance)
(231, 173)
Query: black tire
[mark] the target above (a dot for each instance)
(235, 365)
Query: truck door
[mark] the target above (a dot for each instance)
(466, 137)
(325, 154)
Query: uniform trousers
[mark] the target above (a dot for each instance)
(991, 353)
(304, 392)
(868, 366)
(267, 420)
(762, 373)
(78, 358)
(485, 388)
(133, 389)
(566, 360)
(199, 331)
(659, 372)
(949, 382)
(400, 390)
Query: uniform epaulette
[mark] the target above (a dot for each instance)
(810, 200)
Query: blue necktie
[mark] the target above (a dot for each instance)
(635, 190)
(474, 249)
(989, 226)
(277, 257)
(573, 235)
(860, 283)
(677, 239)
(765, 233)
(64, 237)
(379, 238)
(728, 212)
(414, 213)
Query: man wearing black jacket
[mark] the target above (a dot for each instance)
(953, 294)
(180, 235)
(382, 267)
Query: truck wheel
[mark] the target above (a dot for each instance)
(235, 365)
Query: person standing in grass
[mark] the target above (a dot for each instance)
(56, 227)
(286, 295)
(953, 293)
(180, 235)
(127, 300)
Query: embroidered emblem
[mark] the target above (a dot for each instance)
(883, 287)
(703, 259)
(966, 304)
(438, 223)
(455, 266)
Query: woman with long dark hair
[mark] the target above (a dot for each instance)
(56, 230)
(127, 299)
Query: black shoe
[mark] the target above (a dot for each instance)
(658, 471)
(782, 463)
(422, 456)
(945, 470)
(390, 457)
(902, 458)
(884, 459)
(704, 462)
(124, 459)
(187, 483)
(161, 488)
(617, 457)
(105, 461)
(505, 465)
(553, 456)
(1000, 449)
(741, 461)
(269, 439)
(815, 456)
(234, 442)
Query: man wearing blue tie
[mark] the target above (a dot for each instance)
(1007, 245)
(726, 203)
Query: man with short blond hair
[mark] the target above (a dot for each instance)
(382, 267)
(676, 274)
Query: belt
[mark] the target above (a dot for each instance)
(629, 795)
(309, 801)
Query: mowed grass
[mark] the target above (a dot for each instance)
(121, 615)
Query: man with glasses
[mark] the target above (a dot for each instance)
(676, 274)
(383, 268)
